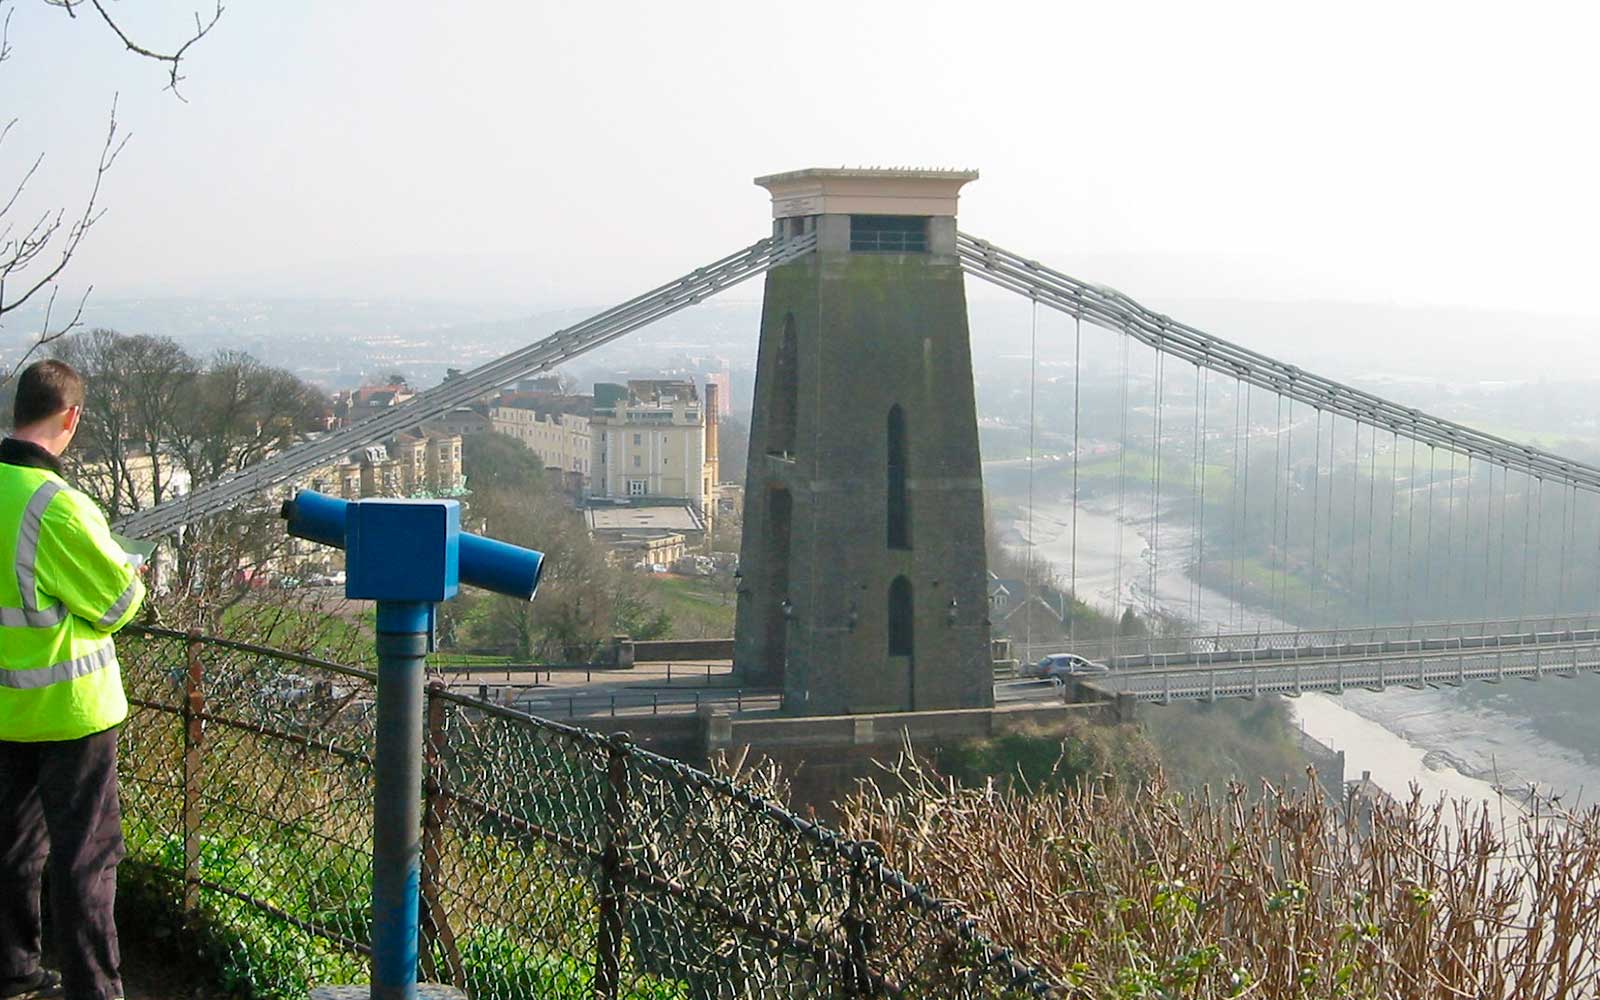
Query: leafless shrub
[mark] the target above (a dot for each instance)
(1150, 894)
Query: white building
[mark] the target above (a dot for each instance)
(655, 440)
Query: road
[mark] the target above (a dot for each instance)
(656, 689)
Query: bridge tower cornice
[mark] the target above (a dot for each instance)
(865, 191)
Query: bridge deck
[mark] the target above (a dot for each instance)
(1338, 669)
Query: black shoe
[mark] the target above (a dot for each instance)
(42, 985)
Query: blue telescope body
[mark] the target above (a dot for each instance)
(497, 566)
(407, 555)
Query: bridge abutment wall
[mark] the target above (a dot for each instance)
(822, 757)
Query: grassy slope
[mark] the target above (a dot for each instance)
(699, 607)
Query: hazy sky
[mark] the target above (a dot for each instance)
(560, 152)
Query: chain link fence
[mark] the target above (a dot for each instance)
(556, 862)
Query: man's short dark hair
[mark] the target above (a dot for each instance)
(44, 389)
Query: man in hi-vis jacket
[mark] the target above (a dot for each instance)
(65, 588)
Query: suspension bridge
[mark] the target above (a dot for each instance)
(1296, 498)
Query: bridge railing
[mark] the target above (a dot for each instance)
(1108, 650)
(1420, 664)
(556, 862)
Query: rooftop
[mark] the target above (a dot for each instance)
(869, 173)
(865, 191)
(664, 517)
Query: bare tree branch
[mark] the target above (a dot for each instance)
(36, 249)
(173, 59)
(26, 177)
(18, 254)
(47, 333)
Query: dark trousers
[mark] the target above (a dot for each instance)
(58, 809)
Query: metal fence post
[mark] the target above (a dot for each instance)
(859, 932)
(194, 707)
(608, 936)
(436, 930)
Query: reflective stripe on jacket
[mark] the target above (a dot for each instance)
(65, 587)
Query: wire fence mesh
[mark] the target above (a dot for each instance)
(556, 862)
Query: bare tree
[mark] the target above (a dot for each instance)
(236, 413)
(154, 416)
(129, 415)
(36, 246)
(99, 462)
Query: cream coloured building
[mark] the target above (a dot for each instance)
(561, 438)
(137, 486)
(651, 442)
(407, 465)
(444, 463)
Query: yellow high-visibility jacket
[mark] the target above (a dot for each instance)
(65, 587)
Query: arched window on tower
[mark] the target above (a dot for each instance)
(900, 617)
(899, 502)
(785, 411)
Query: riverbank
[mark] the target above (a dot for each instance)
(1432, 739)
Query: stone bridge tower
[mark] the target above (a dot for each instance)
(863, 577)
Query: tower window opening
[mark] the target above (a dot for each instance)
(785, 412)
(899, 503)
(888, 234)
(900, 618)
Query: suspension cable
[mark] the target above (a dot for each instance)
(238, 487)
(1077, 383)
(1427, 537)
(1394, 501)
(1203, 381)
(1327, 546)
(1535, 585)
(1316, 511)
(1522, 566)
(1372, 522)
(1597, 565)
(1114, 311)
(1355, 489)
(1194, 504)
(1122, 496)
(1033, 381)
(1288, 511)
(1566, 512)
(1277, 483)
(1411, 511)
(1449, 539)
(1503, 527)
(1488, 534)
(1244, 504)
(1155, 503)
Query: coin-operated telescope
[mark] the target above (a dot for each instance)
(408, 555)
